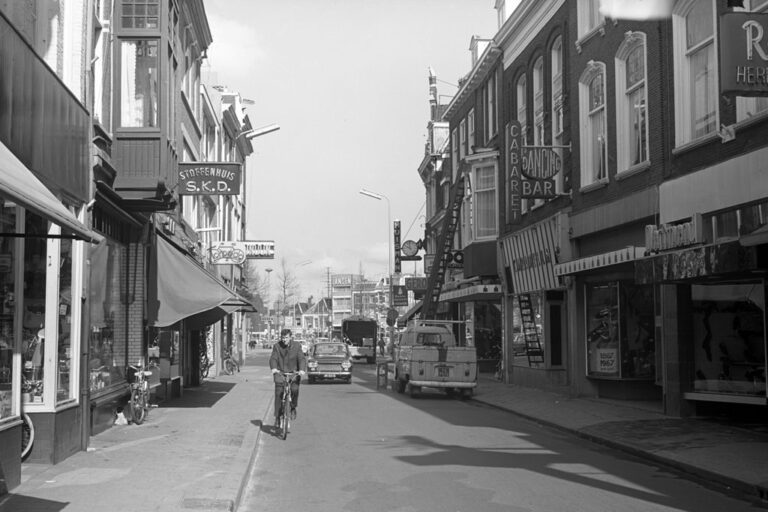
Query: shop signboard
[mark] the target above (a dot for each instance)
(399, 295)
(530, 255)
(744, 54)
(209, 178)
(673, 236)
(235, 253)
(540, 165)
(416, 283)
(259, 249)
(515, 162)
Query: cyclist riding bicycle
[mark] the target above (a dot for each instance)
(287, 356)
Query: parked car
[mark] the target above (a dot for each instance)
(329, 361)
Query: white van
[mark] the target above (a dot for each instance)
(427, 356)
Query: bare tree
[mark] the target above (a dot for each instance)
(287, 287)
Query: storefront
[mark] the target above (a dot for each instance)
(42, 246)
(535, 315)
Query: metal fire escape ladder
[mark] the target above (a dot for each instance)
(532, 342)
(443, 254)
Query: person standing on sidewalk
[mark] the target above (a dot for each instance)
(287, 356)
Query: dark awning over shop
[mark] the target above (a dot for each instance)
(182, 289)
(412, 311)
(20, 185)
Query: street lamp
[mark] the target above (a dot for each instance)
(258, 132)
(269, 316)
(378, 196)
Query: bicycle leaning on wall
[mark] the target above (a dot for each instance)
(139, 400)
(230, 365)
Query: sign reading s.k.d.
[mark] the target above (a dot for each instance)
(744, 54)
(209, 178)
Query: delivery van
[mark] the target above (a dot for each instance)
(427, 355)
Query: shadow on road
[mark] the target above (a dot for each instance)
(19, 503)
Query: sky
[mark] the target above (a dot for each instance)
(347, 81)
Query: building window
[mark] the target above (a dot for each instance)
(538, 109)
(593, 118)
(490, 107)
(463, 138)
(631, 102)
(455, 153)
(139, 84)
(696, 113)
(140, 14)
(11, 288)
(620, 330)
(728, 319)
(522, 117)
(747, 108)
(485, 201)
(589, 17)
(557, 103)
(471, 131)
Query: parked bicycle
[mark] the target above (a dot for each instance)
(230, 365)
(139, 401)
(284, 415)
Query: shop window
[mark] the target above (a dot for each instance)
(620, 330)
(138, 83)
(729, 338)
(64, 382)
(107, 344)
(33, 311)
(7, 309)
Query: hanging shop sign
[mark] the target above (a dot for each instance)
(399, 295)
(235, 253)
(673, 236)
(210, 178)
(416, 283)
(540, 164)
(530, 255)
(396, 241)
(744, 54)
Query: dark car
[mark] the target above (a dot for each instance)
(329, 361)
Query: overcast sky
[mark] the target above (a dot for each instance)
(347, 81)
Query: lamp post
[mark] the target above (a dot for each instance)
(378, 196)
(269, 316)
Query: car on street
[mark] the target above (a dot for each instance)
(329, 361)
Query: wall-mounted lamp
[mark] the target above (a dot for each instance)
(258, 132)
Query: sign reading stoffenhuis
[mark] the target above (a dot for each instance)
(210, 178)
(744, 54)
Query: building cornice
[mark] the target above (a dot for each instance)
(476, 78)
(523, 25)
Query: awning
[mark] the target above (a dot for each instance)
(20, 185)
(757, 237)
(412, 311)
(474, 292)
(606, 259)
(182, 289)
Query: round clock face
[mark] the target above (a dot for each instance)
(409, 248)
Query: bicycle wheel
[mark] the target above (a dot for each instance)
(138, 406)
(27, 435)
(229, 367)
(286, 413)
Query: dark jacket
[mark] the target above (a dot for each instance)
(289, 358)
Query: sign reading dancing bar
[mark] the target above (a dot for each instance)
(210, 178)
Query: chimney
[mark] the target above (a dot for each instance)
(477, 46)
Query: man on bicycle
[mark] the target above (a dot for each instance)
(287, 356)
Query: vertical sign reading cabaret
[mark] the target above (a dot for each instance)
(514, 165)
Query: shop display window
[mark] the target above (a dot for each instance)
(729, 338)
(7, 308)
(619, 330)
(33, 312)
(64, 382)
(107, 344)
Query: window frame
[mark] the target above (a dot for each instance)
(588, 178)
(556, 104)
(476, 168)
(589, 20)
(684, 133)
(624, 116)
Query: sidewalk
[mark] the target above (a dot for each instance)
(732, 457)
(192, 453)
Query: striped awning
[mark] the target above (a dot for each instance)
(530, 256)
(474, 292)
(625, 255)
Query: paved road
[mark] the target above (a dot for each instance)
(356, 449)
